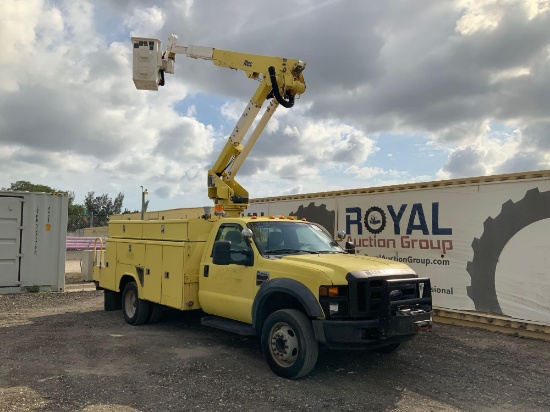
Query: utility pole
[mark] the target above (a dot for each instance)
(143, 193)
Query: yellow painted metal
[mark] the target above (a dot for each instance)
(222, 187)
(200, 229)
(168, 230)
(165, 230)
(231, 148)
(255, 65)
(152, 277)
(123, 269)
(106, 275)
(131, 253)
(126, 229)
(191, 296)
(229, 291)
(492, 323)
(153, 230)
(172, 276)
(176, 268)
(180, 213)
(193, 255)
(169, 261)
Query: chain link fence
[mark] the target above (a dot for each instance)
(78, 226)
(81, 234)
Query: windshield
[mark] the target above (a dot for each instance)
(279, 238)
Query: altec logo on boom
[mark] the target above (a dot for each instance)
(375, 221)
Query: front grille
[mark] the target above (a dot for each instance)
(372, 295)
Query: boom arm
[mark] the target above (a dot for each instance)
(279, 78)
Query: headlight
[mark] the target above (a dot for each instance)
(334, 300)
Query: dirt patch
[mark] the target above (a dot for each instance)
(62, 352)
(73, 277)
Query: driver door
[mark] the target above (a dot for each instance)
(229, 290)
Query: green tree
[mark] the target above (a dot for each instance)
(76, 215)
(127, 211)
(25, 186)
(103, 206)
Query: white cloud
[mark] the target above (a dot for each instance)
(467, 78)
(487, 14)
(143, 22)
(488, 155)
(232, 110)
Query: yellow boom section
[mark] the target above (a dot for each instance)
(280, 79)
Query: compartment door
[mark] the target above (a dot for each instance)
(11, 209)
(153, 273)
(172, 276)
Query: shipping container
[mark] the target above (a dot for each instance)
(33, 231)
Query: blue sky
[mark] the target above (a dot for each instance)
(396, 93)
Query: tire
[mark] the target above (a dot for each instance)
(288, 344)
(111, 300)
(497, 233)
(386, 350)
(136, 311)
(155, 313)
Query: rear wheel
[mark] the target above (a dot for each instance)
(288, 343)
(136, 311)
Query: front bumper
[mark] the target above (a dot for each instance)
(371, 334)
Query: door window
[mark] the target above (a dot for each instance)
(240, 247)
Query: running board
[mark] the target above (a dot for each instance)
(228, 325)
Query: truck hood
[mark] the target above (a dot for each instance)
(337, 266)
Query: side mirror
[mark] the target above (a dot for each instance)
(249, 254)
(341, 235)
(223, 255)
(222, 252)
(350, 248)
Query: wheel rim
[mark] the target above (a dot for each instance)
(283, 344)
(130, 303)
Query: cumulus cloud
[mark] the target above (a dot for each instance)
(144, 20)
(471, 78)
(488, 155)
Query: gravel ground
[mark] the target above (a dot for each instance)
(62, 352)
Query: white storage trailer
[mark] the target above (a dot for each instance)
(33, 230)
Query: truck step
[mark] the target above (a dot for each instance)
(228, 325)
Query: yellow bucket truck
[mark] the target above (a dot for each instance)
(282, 279)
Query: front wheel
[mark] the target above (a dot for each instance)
(136, 311)
(288, 343)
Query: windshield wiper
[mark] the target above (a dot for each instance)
(329, 251)
(286, 251)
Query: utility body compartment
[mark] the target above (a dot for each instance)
(163, 258)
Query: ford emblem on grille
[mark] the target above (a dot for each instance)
(395, 293)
